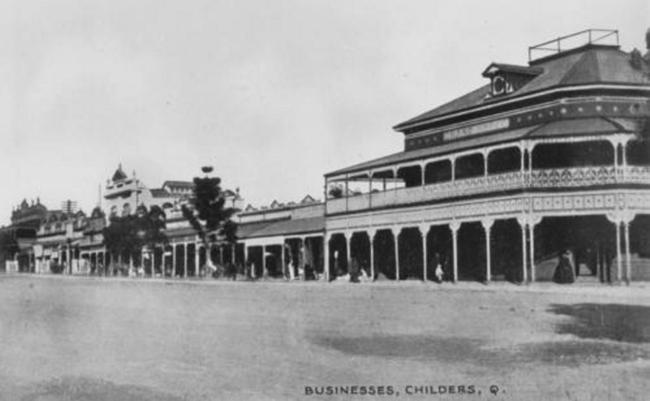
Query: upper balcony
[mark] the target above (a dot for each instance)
(570, 163)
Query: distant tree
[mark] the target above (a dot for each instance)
(8, 245)
(206, 211)
(128, 235)
(149, 226)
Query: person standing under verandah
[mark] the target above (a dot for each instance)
(438, 272)
(564, 272)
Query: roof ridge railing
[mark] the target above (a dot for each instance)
(588, 36)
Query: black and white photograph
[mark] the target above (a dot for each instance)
(324, 200)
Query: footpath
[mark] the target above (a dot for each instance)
(635, 290)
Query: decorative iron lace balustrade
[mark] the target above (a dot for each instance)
(547, 178)
(573, 177)
(636, 175)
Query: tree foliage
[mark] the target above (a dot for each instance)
(130, 234)
(207, 211)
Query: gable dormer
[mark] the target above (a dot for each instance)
(508, 78)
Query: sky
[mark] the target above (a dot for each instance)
(272, 94)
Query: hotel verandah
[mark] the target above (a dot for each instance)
(547, 156)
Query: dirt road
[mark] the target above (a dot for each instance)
(104, 339)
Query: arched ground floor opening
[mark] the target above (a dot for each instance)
(240, 258)
(411, 257)
(256, 260)
(338, 256)
(181, 260)
(314, 257)
(439, 252)
(384, 251)
(360, 252)
(472, 257)
(589, 243)
(640, 248)
(294, 257)
(273, 260)
(157, 260)
(506, 251)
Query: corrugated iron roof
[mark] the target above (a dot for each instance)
(591, 126)
(246, 230)
(178, 184)
(285, 227)
(591, 64)
(159, 193)
(437, 150)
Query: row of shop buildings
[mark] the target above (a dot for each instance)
(549, 156)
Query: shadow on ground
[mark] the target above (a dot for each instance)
(622, 323)
(607, 333)
(83, 388)
(459, 350)
(406, 346)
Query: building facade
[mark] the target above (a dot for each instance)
(545, 157)
(545, 160)
(58, 243)
(17, 239)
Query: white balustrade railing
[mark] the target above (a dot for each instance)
(545, 178)
(336, 205)
(359, 202)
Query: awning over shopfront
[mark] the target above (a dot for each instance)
(292, 227)
(246, 230)
(277, 231)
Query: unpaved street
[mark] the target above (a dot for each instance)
(68, 338)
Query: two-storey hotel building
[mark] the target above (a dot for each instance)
(494, 185)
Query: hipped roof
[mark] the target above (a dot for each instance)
(590, 64)
(582, 126)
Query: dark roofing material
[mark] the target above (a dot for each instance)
(517, 69)
(591, 64)
(119, 174)
(245, 230)
(286, 227)
(437, 150)
(594, 126)
(179, 184)
(159, 193)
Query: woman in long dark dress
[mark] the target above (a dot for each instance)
(564, 273)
